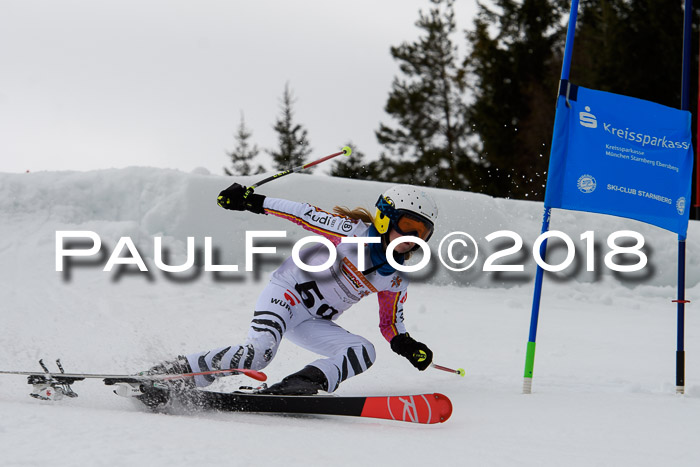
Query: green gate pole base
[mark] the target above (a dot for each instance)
(529, 366)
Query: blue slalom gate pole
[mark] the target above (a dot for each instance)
(680, 333)
(681, 301)
(537, 295)
(530, 354)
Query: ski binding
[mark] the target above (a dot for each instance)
(50, 387)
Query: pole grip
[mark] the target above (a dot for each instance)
(458, 371)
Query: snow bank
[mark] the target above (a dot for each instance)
(143, 203)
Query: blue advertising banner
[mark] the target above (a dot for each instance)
(618, 155)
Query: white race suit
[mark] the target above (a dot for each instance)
(303, 306)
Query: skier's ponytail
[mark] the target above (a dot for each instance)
(361, 214)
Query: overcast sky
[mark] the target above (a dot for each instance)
(98, 84)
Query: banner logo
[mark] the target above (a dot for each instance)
(586, 183)
(680, 206)
(587, 119)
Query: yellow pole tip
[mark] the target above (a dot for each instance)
(461, 371)
(347, 150)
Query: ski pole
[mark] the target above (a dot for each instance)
(259, 375)
(458, 371)
(420, 355)
(347, 150)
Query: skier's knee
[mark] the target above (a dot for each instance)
(354, 359)
(368, 352)
(361, 356)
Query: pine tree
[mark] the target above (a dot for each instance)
(631, 48)
(243, 154)
(429, 145)
(515, 61)
(355, 166)
(293, 138)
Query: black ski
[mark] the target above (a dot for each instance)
(160, 391)
(417, 408)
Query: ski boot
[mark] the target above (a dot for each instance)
(306, 382)
(157, 396)
(179, 366)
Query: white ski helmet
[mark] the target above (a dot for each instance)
(408, 210)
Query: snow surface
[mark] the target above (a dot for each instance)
(604, 375)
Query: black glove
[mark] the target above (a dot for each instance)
(232, 198)
(417, 353)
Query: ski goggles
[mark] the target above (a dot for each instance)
(411, 224)
(406, 222)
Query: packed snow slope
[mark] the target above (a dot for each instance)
(604, 375)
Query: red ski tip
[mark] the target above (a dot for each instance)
(444, 405)
(419, 408)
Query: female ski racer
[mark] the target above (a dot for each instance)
(302, 306)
